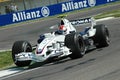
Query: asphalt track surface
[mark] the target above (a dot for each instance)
(99, 64)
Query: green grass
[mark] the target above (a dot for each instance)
(5, 60)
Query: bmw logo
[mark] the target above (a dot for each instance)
(92, 3)
(45, 11)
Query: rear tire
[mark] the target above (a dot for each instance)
(18, 47)
(101, 37)
(76, 44)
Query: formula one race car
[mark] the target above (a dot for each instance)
(63, 42)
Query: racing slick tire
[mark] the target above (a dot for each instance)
(101, 37)
(76, 45)
(18, 47)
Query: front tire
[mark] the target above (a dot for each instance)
(76, 44)
(101, 37)
(18, 47)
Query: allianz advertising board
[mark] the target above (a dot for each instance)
(51, 10)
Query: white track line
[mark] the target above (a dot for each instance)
(9, 71)
(17, 72)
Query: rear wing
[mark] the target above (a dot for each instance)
(78, 22)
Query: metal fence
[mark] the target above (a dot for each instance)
(27, 4)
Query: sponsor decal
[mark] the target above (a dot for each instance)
(92, 3)
(45, 11)
(74, 5)
(80, 21)
(110, 0)
(77, 5)
(20, 16)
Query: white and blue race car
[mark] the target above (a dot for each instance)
(61, 43)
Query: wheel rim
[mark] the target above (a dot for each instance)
(107, 40)
(107, 37)
(81, 46)
(27, 47)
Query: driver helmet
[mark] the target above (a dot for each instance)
(62, 28)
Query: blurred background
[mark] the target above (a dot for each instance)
(26, 4)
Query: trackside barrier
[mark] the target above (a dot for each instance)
(51, 10)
